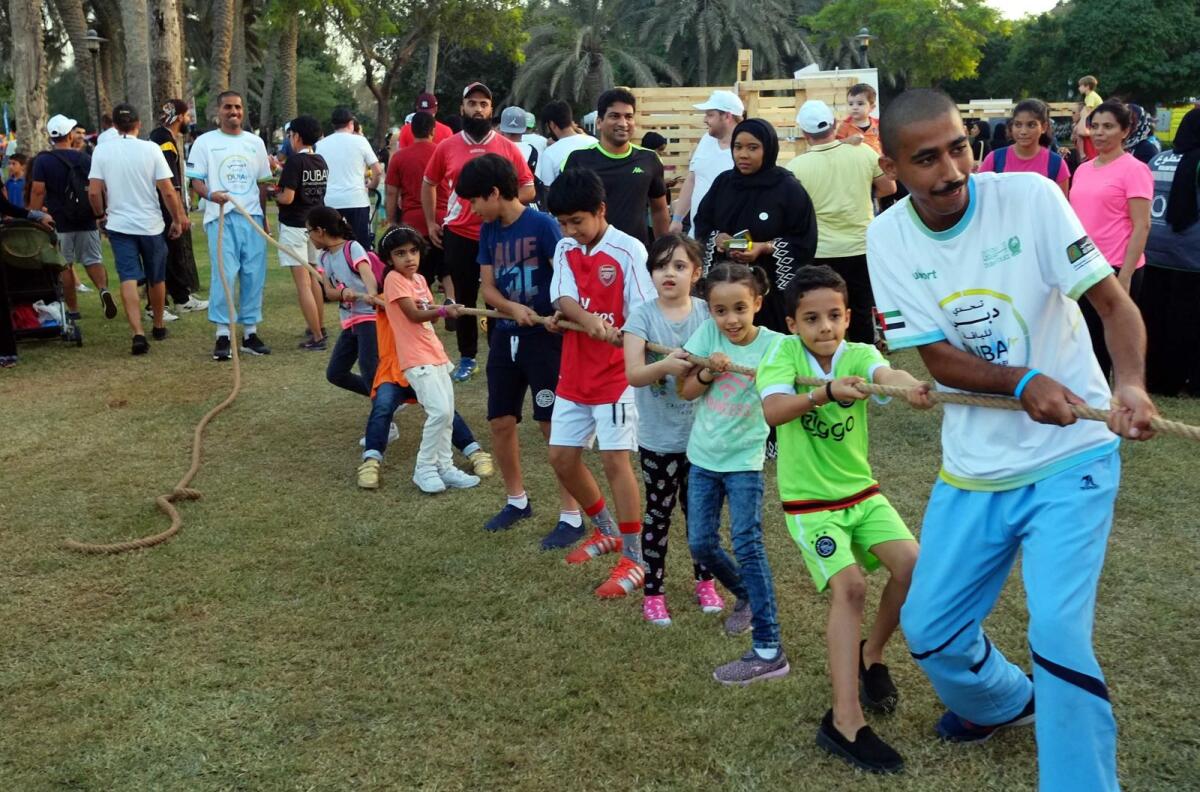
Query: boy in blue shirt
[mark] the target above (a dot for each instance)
(516, 250)
(15, 184)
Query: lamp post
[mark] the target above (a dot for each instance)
(93, 46)
(864, 40)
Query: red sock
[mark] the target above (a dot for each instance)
(630, 527)
(595, 508)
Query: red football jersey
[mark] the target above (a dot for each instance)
(609, 281)
(447, 162)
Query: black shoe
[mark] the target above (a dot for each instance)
(223, 350)
(74, 316)
(254, 345)
(140, 345)
(159, 333)
(867, 752)
(310, 345)
(110, 306)
(876, 690)
(563, 535)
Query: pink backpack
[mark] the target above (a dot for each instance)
(377, 266)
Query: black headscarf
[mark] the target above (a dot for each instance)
(769, 176)
(1182, 210)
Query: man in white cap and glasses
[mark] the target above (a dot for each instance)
(839, 178)
(722, 112)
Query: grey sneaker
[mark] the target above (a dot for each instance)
(454, 478)
(738, 622)
(752, 668)
(428, 480)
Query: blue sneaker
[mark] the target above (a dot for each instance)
(508, 517)
(466, 367)
(563, 535)
(957, 729)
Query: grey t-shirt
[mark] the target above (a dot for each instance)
(664, 419)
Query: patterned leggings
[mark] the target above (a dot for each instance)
(665, 476)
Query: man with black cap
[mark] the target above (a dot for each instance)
(349, 156)
(459, 238)
(426, 103)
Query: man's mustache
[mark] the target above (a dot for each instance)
(949, 188)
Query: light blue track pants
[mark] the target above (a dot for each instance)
(245, 268)
(968, 544)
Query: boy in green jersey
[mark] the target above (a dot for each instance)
(834, 509)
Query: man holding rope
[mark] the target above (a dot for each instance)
(981, 274)
(223, 164)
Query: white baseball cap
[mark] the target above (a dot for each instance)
(60, 126)
(815, 117)
(725, 101)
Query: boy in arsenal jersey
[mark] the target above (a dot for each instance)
(600, 276)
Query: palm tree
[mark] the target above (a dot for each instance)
(166, 51)
(578, 48)
(221, 12)
(74, 21)
(708, 33)
(28, 67)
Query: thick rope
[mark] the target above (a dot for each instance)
(181, 491)
(988, 400)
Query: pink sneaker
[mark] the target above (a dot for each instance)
(654, 610)
(706, 594)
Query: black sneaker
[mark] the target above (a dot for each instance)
(508, 517)
(563, 535)
(110, 306)
(254, 345)
(876, 690)
(320, 345)
(140, 345)
(223, 350)
(867, 752)
(159, 333)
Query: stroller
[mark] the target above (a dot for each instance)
(31, 269)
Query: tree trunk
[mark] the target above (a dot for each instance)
(28, 67)
(702, 62)
(287, 66)
(75, 24)
(135, 21)
(222, 53)
(431, 68)
(112, 52)
(265, 107)
(166, 45)
(237, 63)
(185, 77)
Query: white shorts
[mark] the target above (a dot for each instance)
(296, 240)
(577, 425)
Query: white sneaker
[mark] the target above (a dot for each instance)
(454, 478)
(82, 287)
(193, 304)
(428, 481)
(393, 432)
(167, 315)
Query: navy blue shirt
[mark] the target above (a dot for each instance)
(521, 256)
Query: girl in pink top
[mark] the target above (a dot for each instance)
(1030, 151)
(1111, 195)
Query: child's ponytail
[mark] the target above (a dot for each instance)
(329, 221)
(752, 275)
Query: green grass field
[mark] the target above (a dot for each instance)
(302, 635)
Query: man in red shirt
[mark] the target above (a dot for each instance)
(426, 103)
(405, 173)
(458, 234)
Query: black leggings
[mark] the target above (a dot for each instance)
(862, 299)
(665, 476)
(462, 263)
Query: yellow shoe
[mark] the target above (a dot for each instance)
(368, 474)
(481, 463)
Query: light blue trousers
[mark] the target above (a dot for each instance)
(245, 265)
(968, 544)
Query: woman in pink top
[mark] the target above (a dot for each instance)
(1030, 151)
(1111, 194)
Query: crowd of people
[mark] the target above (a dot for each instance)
(764, 272)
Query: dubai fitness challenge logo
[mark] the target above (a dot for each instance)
(237, 177)
(989, 325)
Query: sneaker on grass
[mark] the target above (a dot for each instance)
(738, 622)
(481, 463)
(466, 368)
(563, 535)
(866, 752)
(254, 345)
(368, 474)
(158, 333)
(454, 478)
(140, 345)
(626, 577)
(508, 517)
(167, 315)
(706, 595)
(193, 303)
(751, 668)
(597, 545)
(309, 345)
(110, 305)
(957, 729)
(393, 432)
(876, 691)
(428, 481)
(654, 610)
(223, 350)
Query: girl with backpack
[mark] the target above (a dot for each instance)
(1030, 151)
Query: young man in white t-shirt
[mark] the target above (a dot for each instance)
(981, 274)
(559, 120)
(128, 175)
(350, 157)
(712, 157)
(226, 164)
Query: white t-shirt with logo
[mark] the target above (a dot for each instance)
(708, 162)
(348, 156)
(232, 164)
(1001, 284)
(551, 160)
(130, 169)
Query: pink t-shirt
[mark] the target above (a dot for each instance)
(416, 343)
(1038, 163)
(1100, 197)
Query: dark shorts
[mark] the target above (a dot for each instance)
(517, 363)
(139, 256)
(359, 218)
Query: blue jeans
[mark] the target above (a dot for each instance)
(139, 256)
(388, 397)
(749, 577)
(356, 343)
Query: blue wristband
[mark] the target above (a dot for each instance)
(1025, 381)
